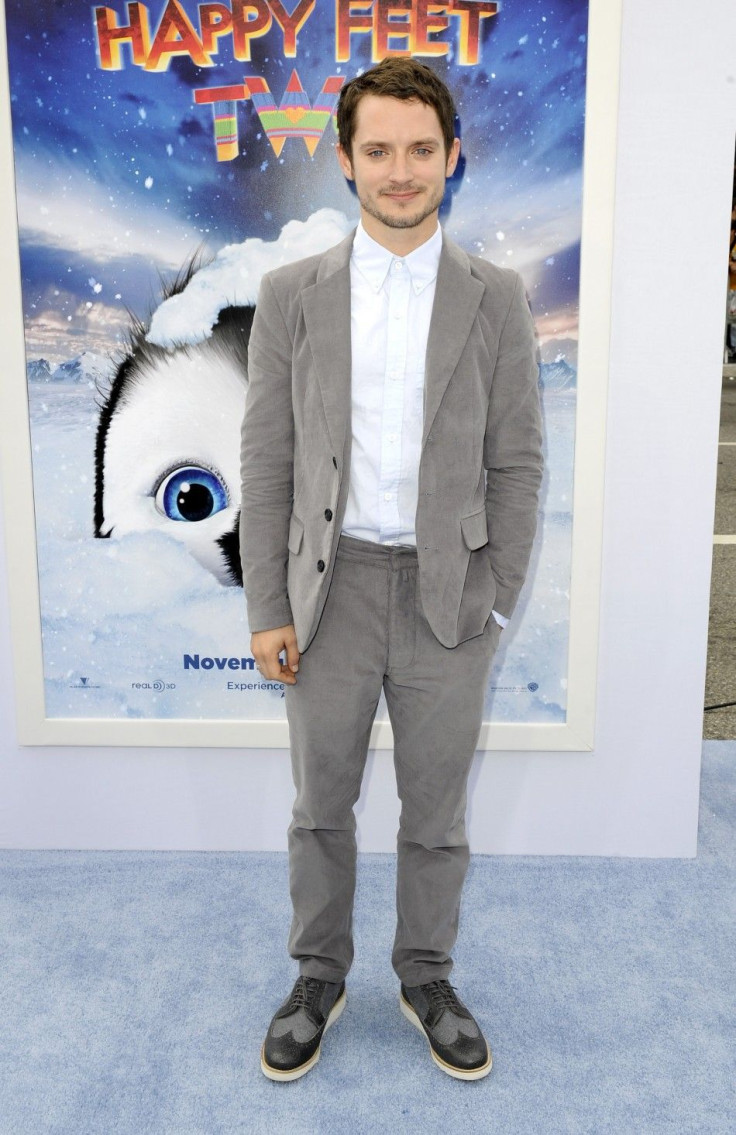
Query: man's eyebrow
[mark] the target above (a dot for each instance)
(384, 145)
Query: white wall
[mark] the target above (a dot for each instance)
(637, 793)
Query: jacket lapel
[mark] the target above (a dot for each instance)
(457, 297)
(326, 307)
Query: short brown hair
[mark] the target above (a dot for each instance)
(396, 77)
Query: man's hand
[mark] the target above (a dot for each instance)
(265, 646)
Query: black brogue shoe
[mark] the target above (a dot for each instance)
(294, 1037)
(456, 1042)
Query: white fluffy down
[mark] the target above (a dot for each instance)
(234, 277)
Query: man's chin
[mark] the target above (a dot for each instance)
(401, 219)
(403, 222)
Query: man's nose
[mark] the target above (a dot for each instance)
(400, 168)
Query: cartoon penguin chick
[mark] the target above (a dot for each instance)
(168, 443)
(167, 456)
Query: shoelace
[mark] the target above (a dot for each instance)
(442, 996)
(304, 993)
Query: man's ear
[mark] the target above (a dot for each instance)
(345, 164)
(452, 157)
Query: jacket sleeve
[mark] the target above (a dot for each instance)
(267, 466)
(512, 453)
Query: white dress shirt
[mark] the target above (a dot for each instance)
(391, 301)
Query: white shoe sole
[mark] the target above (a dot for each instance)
(457, 1073)
(295, 1073)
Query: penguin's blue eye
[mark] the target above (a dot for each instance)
(191, 493)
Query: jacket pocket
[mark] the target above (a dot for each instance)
(296, 534)
(475, 529)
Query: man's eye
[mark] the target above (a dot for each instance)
(375, 153)
(422, 151)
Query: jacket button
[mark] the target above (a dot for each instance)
(320, 565)
(328, 514)
(334, 462)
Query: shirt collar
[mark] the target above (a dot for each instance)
(373, 261)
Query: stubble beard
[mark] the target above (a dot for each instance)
(402, 221)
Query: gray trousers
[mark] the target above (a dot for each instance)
(373, 635)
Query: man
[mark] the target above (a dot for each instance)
(391, 462)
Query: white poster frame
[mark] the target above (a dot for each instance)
(577, 733)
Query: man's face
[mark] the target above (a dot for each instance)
(399, 166)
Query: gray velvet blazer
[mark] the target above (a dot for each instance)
(481, 459)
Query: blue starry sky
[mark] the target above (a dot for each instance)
(118, 183)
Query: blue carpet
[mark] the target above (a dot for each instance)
(136, 988)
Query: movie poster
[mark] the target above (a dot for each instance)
(167, 154)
